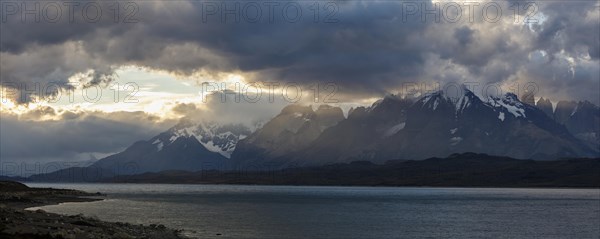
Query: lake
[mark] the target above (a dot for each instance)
(236, 211)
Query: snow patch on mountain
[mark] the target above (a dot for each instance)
(428, 97)
(510, 103)
(394, 129)
(159, 145)
(214, 148)
(575, 110)
(433, 100)
(436, 103)
(516, 111)
(214, 137)
(462, 103)
(455, 140)
(513, 105)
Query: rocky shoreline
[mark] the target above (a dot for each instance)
(16, 222)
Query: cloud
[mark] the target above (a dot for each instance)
(231, 107)
(371, 47)
(72, 136)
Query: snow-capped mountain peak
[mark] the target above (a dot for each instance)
(435, 99)
(432, 100)
(213, 136)
(510, 103)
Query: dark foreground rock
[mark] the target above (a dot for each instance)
(15, 222)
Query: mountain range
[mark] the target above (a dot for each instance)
(437, 125)
(433, 125)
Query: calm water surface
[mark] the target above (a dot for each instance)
(204, 211)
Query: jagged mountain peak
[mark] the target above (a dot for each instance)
(293, 118)
(427, 96)
(510, 103)
(432, 100)
(564, 110)
(387, 98)
(325, 107)
(545, 105)
(297, 108)
(328, 116)
(389, 103)
(357, 112)
(586, 105)
(214, 136)
(508, 98)
(294, 128)
(544, 102)
(440, 123)
(512, 97)
(459, 102)
(467, 100)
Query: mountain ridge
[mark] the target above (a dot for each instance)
(438, 125)
(432, 125)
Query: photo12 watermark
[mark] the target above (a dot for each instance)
(69, 11)
(455, 90)
(254, 92)
(269, 11)
(131, 11)
(469, 11)
(53, 92)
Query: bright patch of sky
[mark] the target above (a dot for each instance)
(136, 89)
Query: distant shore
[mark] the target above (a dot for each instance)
(20, 223)
(457, 170)
(465, 170)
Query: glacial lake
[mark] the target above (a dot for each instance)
(236, 211)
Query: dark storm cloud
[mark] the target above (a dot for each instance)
(464, 35)
(174, 37)
(569, 26)
(370, 48)
(566, 50)
(73, 134)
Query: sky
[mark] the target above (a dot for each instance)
(82, 80)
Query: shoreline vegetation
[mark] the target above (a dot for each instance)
(459, 170)
(16, 222)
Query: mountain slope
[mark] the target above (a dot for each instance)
(186, 146)
(437, 125)
(354, 138)
(546, 106)
(583, 121)
(183, 153)
(293, 129)
(189, 145)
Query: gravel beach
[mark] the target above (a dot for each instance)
(16, 222)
